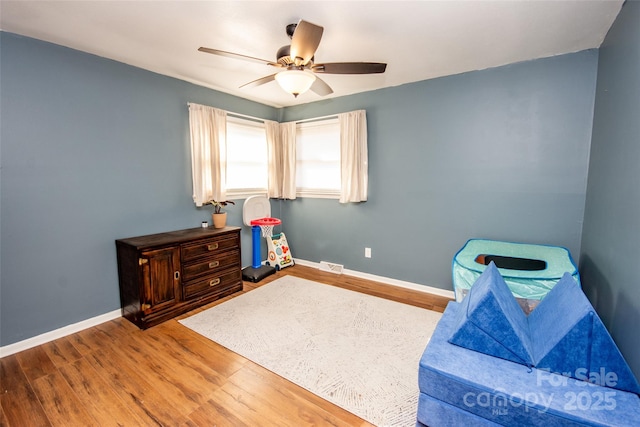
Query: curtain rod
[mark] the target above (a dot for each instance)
(244, 116)
(231, 113)
(313, 119)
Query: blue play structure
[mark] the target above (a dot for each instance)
(489, 364)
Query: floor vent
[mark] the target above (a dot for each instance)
(331, 267)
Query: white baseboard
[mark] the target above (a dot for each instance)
(10, 349)
(389, 281)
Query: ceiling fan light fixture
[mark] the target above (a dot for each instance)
(295, 82)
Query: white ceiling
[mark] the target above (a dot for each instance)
(418, 40)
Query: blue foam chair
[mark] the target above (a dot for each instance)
(475, 370)
(491, 321)
(569, 337)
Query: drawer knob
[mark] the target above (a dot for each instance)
(214, 282)
(214, 264)
(212, 246)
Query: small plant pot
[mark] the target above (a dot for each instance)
(219, 220)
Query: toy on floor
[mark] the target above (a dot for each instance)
(530, 271)
(256, 213)
(279, 253)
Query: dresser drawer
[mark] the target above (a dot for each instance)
(207, 247)
(213, 284)
(210, 265)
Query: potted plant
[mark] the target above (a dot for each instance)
(219, 217)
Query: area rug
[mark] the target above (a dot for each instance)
(357, 351)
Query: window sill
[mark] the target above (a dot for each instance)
(244, 193)
(318, 194)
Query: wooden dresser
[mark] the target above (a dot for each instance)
(167, 274)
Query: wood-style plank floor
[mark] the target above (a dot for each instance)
(114, 374)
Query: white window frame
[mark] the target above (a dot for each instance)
(240, 193)
(332, 125)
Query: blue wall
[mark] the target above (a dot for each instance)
(92, 150)
(611, 236)
(500, 153)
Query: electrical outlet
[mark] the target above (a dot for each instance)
(367, 252)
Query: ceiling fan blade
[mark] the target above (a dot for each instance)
(320, 87)
(350, 68)
(260, 81)
(305, 41)
(237, 56)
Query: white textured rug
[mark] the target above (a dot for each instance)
(357, 351)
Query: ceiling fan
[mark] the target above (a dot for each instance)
(297, 60)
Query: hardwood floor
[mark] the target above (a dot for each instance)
(114, 374)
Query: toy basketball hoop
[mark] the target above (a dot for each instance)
(256, 213)
(266, 225)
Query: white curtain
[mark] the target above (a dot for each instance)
(272, 130)
(354, 163)
(281, 147)
(288, 141)
(208, 128)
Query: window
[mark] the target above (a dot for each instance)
(243, 168)
(246, 158)
(318, 159)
